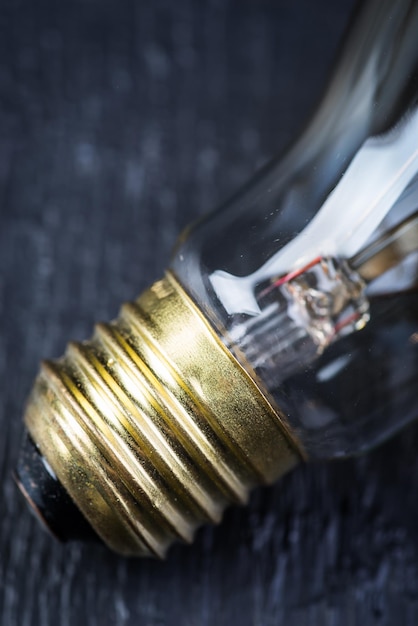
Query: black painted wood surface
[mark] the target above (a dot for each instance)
(119, 123)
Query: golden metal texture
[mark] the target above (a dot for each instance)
(153, 427)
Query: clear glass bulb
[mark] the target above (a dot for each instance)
(286, 327)
(310, 274)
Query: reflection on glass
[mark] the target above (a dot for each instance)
(310, 275)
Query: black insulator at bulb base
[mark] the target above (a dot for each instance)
(47, 498)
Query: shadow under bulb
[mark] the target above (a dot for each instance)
(285, 329)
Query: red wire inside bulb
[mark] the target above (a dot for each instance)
(290, 276)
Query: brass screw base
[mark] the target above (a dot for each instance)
(152, 426)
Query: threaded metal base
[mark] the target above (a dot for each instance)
(152, 426)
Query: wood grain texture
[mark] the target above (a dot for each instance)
(119, 123)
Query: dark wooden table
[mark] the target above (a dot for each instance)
(119, 123)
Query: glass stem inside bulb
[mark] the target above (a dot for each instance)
(305, 311)
(310, 308)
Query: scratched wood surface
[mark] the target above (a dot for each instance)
(119, 123)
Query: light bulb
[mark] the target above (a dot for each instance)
(286, 327)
